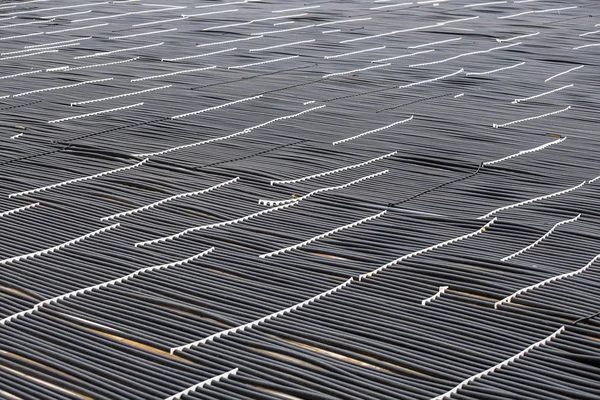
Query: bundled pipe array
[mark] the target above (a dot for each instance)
(283, 200)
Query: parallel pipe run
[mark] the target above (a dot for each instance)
(501, 365)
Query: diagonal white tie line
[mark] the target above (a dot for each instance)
(102, 285)
(326, 189)
(522, 203)
(15, 210)
(520, 153)
(261, 320)
(563, 73)
(217, 107)
(545, 236)
(501, 365)
(202, 384)
(333, 171)
(439, 293)
(85, 178)
(516, 101)
(419, 252)
(531, 118)
(508, 299)
(171, 198)
(57, 247)
(374, 130)
(323, 235)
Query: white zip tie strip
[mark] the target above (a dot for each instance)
(545, 236)
(229, 41)
(496, 367)
(119, 51)
(283, 45)
(331, 31)
(356, 70)
(58, 247)
(209, 13)
(202, 384)
(520, 153)
(94, 113)
(459, 95)
(101, 65)
(76, 29)
(589, 33)
(215, 225)
(517, 37)
(283, 30)
(18, 135)
(223, 4)
(494, 70)
(586, 46)
(262, 62)
(142, 34)
(432, 80)
(419, 252)
(333, 171)
(248, 217)
(158, 22)
(542, 94)
(101, 285)
(544, 282)
(295, 9)
(256, 20)
(247, 130)
(57, 43)
(344, 21)
(522, 203)
(199, 55)
(261, 320)
(171, 8)
(217, 107)
(374, 130)
(26, 23)
(120, 95)
(564, 72)
(390, 6)
(21, 36)
(321, 236)
(434, 43)
(173, 73)
(326, 189)
(486, 4)
(354, 52)
(171, 198)
(61, 87)
(5, 213)
(67, 15)
(85, 178)
(537, 12)
(594, 180)
(28, 55)
(63, 68)
(436, 296)
(20, 74)
(41, 48)
(404, 55)
(57, 8)
(531, 118)
(466, 54)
